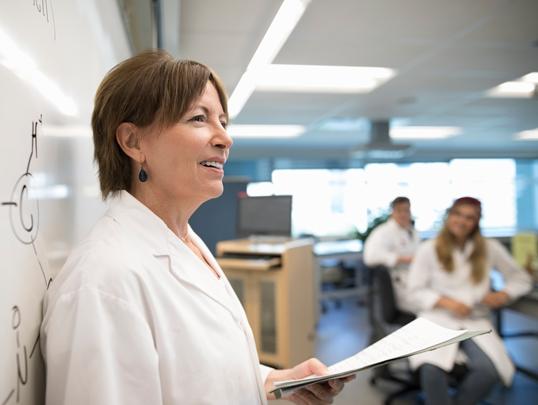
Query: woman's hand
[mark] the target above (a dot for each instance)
(495, 299)
(458, 308)
(314, 394)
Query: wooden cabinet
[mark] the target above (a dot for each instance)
(275, 282)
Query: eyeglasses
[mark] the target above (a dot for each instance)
(467, 217)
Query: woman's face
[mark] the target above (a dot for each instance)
(462, 221)
(185, 161)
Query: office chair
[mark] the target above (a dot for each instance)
(385, 318)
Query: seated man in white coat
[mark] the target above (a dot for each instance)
(393, 244)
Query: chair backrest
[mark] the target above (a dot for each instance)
(385, 314)
(385, 299)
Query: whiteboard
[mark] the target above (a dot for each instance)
(53, 54)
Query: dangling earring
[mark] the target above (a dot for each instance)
(142, 175)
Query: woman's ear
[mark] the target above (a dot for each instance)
(128, 138)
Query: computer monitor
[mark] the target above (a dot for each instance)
(264, 216)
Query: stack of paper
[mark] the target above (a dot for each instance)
(416, 337)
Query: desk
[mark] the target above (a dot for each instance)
(526, 305)
(339, 250)
(274, 280)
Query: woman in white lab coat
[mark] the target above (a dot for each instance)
(449, 281)
(141, 313)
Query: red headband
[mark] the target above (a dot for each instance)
(468, 201)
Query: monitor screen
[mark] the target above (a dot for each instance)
(267, 215)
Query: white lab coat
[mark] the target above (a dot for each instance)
(427, 282)
(134, 317)
(384, 245)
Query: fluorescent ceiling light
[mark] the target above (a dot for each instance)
(423, 132)
(524, 87)
(265, 131)
(530, 135)
(531, 77)
(323, 79)
(343, 124)
(380, 154)
(286, 18)
(23, 66)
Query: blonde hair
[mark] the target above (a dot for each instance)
(149, 88)
(445, 243)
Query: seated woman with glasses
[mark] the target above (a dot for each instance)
(449, 283)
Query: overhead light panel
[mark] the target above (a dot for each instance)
(321, 79)
(286, 18)
(381, 154)
(423, 132)
(531, 78)
(524, 87)
(344, 124)
(265, 131)
(530, 135)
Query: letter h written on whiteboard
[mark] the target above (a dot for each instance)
(416, 337)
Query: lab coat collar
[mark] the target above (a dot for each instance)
(397, 226)
(144, 225)
(467, 249)
(152, 232)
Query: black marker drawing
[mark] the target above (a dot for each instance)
(21, 357)
(42, 7)
(22, 365)
(24, 219)
(23, 211)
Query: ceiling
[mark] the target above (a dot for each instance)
(446, 54)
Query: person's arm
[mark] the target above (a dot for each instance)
(98, 350)
(321, 393)
(517, 282)
(457, 308)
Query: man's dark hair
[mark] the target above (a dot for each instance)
(399, 200)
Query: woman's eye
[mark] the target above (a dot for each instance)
(224, 124)
(198, 118)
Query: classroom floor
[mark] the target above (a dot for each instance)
(344, 330)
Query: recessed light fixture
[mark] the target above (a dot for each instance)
(524, 87)
(321, 79)
(530, 135)
(531, 77)
(286, 18)
(344, 124)
(423, 132)
(262, 75)
(265, 131)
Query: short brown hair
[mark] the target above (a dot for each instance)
(151, 87)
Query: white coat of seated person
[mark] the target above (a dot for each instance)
(393, 244)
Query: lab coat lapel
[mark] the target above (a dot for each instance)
(239, 315)
(152, 233)
(188, 268)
